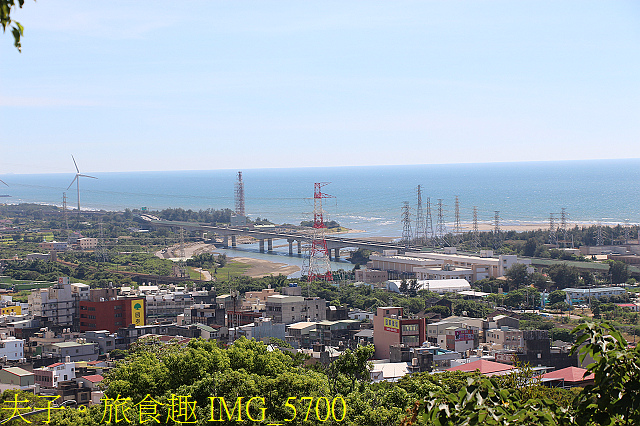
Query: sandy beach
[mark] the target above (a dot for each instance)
(262, 268)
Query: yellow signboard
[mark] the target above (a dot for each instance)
(16, 310)
(137, 312)
(392, 324)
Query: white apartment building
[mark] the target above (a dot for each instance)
(11, 349)
(53, 374)
(55, 304)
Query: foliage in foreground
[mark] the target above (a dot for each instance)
(613, 399)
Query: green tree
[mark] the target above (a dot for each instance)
(517, 276)
(539, 281)
(563, 275)
(354, 365)
(17, 29)
(556, 297)
(619, 272)
(529, 248)
(614, 397)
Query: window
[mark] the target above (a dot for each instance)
(92, 308)
(409, 327)
(293, 309)
(118, 315)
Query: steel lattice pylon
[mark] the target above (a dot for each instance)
(318, 267)
(239, 199)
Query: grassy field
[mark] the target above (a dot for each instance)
(231, 269)
(8, 283)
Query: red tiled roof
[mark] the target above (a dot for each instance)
(55, 365)
(569, 374)
(95, 378)
(485, 367)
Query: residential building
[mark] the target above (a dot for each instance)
(335, 333)
(204, 313)
(507, 338)
(167, 304)
(371, 276)
(54, 305)
(391, 328)
(50, 376)
(87, 243)
(290, 309)
(90, 381)
(80, 350)
(297, 334)
(111, 315)
(256, 300)
(459, 339)
(11, 349)
(54, 245)
(106, 341)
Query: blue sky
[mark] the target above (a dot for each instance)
(158, 85)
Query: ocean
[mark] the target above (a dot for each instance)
(365, 198)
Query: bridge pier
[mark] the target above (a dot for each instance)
(261, 243)
(290, 247)
(225, 241)
(270, 244)
(233, 241)
(337, 254)
(299, 247)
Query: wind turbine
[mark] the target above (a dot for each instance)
(76, 179)
(3, 182)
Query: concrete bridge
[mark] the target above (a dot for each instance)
(230, 234)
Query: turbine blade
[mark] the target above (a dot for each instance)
(4, 182)
(74, 179)
(92, 177)
(76, 164)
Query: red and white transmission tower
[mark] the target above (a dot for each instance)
(318, 267)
